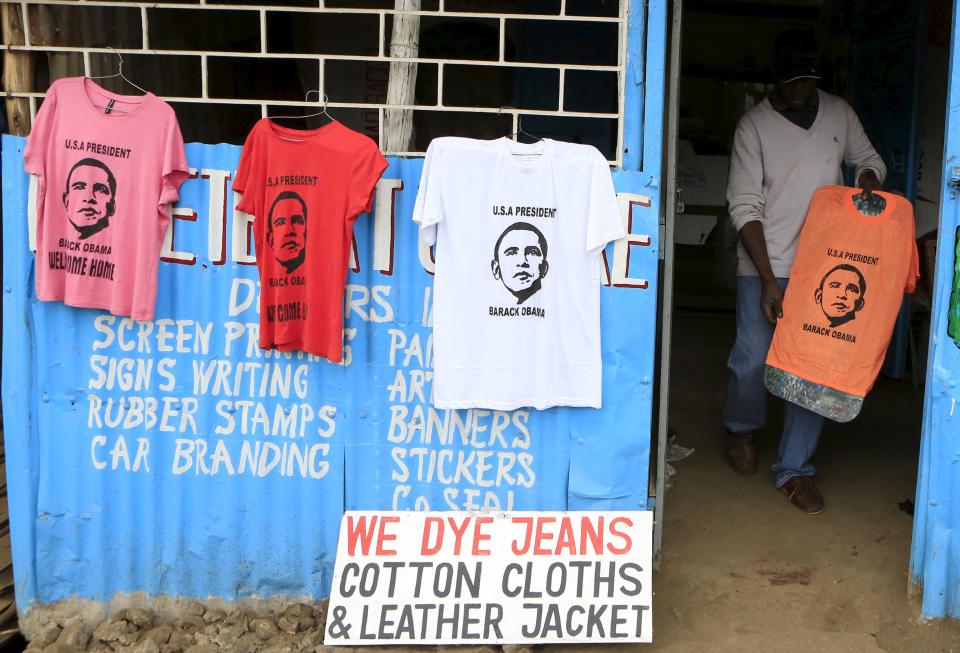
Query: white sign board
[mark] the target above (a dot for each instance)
(469, 578)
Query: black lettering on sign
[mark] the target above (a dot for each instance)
(453, 621)
(549, 620)
(364, 633)
(447, 616)
(637, 586)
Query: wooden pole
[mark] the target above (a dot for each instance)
(404, 42)
(16, 69)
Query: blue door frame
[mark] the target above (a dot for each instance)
(935, 555)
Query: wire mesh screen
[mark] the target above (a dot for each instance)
(483, 68)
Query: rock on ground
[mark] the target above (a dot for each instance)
(197, 628)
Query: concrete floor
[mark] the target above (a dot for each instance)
(743, 570)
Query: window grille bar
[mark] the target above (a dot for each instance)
(622, 74)
(321, 80)
(263, 31)
(383, 56)
(311, 56)
(366, 105)
(383, 35)
(503, 40)
(563, 81)
(324, 10)
(380, 113)
(204, 77)
(441, 72)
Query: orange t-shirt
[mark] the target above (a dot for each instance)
(845, 291)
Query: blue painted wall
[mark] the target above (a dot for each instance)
(90, 518)
(935, 557)
(241, 482)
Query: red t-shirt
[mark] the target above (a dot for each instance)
(305, 189)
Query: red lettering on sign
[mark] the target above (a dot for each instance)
(627, 542)
(426, 548)
(593, 533)
(479, 536)
(543, 537)
(519, 551)
(566, 542)
(362, 531)
(383, 536)
(458, 531)
(587, 536)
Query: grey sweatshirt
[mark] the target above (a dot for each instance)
(776, 166)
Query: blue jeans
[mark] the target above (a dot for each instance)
(746, 406)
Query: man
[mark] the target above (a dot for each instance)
(840, 294)
(520, 260)
(89, 197)
(287, 230)
(784, 149)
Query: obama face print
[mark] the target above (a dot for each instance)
(841, 294)
(287, 230)
(520, 260)
(89, 198)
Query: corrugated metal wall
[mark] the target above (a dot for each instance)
(219, 503)
(233, 495)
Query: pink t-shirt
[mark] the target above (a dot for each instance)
(105, 180)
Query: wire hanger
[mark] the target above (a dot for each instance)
(323, 107)
(520, 129)
(119, 74)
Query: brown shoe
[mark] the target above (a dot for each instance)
(741, 453)
(803, 493)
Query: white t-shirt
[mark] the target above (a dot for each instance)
(518, 231)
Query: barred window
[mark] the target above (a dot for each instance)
(476, 68)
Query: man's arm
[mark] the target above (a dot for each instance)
(869, 169)
(771, 299)
(745, 198)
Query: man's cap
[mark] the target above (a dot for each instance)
(796, 56)
(797, 66)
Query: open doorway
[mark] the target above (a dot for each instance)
(753, 564)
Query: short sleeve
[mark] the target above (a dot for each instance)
(368, 166)
(913, 272)
(603, 221)
(175, 167)
(242, 177)
(428, 210)
(34, 155)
